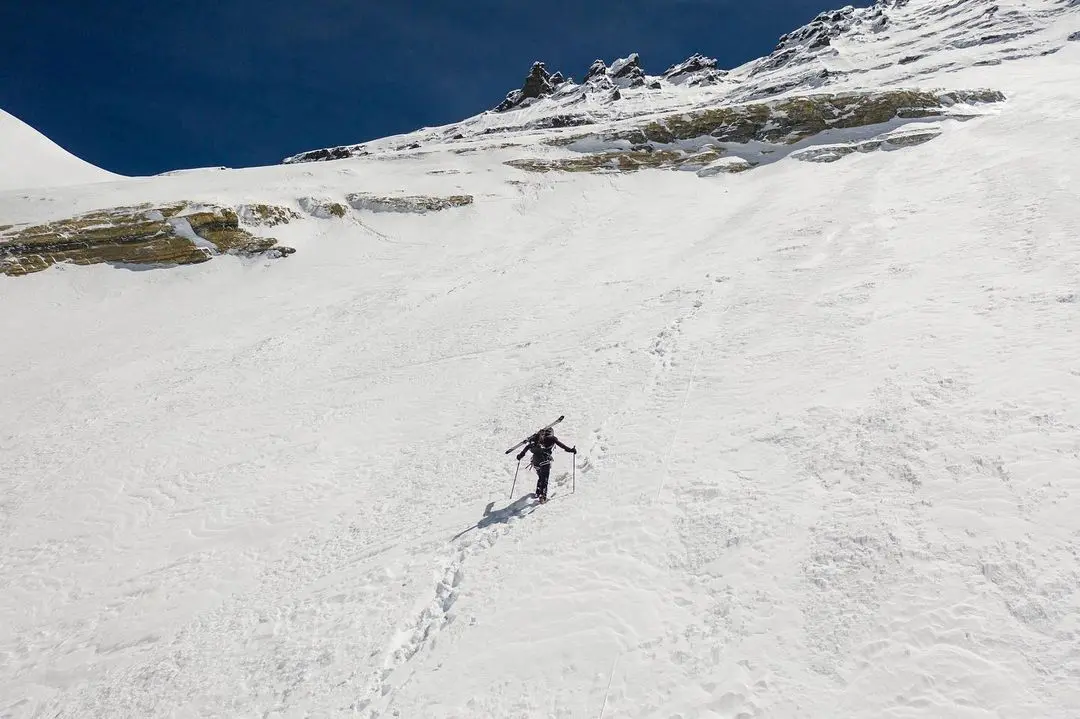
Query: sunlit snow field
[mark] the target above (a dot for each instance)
(827, 421)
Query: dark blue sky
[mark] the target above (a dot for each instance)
(143, 86)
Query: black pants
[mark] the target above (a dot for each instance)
(542, 472)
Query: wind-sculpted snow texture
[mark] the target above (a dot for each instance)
(829, 448)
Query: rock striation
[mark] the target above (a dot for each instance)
(146, 235)
(414, 204)
(765, 131)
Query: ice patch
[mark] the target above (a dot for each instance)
(182, 228)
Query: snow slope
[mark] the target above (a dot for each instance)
(829, 451)
(29, 159)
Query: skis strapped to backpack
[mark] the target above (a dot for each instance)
(531, 436)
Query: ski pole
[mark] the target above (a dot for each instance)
(515, 479)
(573, 485)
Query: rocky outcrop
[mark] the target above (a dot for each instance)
(176, 234)
(623, 73)
(725, 166)
(627, 71)
(708, 155)
(890, 31)
(418, 204)
(623, 161)
(547, 122)
(597, 70)
(891, 141)
(538, 83)
(220, 228)
(323, 209)
(265, 215)
(695, 71)
(704, 140)
(819, 32)
(794, 119)
(710, 161)
(326, 154)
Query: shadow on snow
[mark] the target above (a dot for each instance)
(501, 516)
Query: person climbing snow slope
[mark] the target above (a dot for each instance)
(542, 446)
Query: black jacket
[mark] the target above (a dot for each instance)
(542, 450)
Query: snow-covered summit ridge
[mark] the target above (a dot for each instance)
(894, 43)
(894, 32)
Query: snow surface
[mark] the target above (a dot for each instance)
(829, 442)
(29, 159)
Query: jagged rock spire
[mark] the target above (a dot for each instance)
(597, 69)
(627, 71)
(538, 83)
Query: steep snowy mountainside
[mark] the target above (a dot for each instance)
(828, 441)
(820, 370)
(895, 43)
(28, 159)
